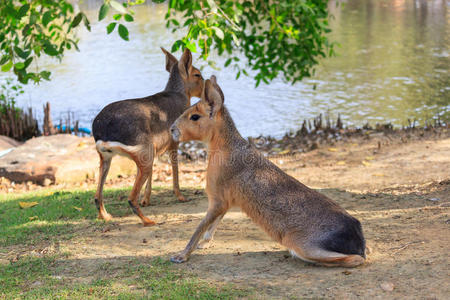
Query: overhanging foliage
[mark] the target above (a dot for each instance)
(278, 38)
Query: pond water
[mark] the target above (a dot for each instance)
(392, 64)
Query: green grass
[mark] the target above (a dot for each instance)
(122, 278)
(57, 218)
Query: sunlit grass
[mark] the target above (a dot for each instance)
(56, 216)
(123, 278)
(63, 215)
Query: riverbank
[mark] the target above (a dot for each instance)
(70, 161)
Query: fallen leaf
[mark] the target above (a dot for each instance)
(340, 163)
(33, 218)
(366, 163)
(285, 152)
(333, 149)
(387, 286)
(346, 272)
(27, 204)
(82, 145)
(369, 158)
(78, 208)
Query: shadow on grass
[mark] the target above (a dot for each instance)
(59, 214)
(123, 277)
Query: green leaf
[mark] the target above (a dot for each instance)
(128, 18)
(23, 11)
(87, 24)
(235, 39)
(47, 18)
(21, 53)
(76, 21)
(218, 32)
(10, 10)
(191, 46)
(119, 7)
(213, 6)
(110, 27)
(7, 66)
(4, 59)
(117, 17)
(19, 65)
(104, 9)
(28, 62)
(123, 32)
(45, 75)
(49, 49)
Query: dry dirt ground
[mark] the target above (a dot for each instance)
(399, 191)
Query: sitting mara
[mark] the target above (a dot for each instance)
(312, 226)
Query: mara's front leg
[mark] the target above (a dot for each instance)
(173, 155)
(211, 217)
(145, 201)
(209, 234)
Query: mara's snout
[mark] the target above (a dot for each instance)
(175, 133)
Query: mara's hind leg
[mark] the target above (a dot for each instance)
(105, 163)
(132, 200)
(173, 154)
(327, 258)
(148, 187)
(209, 234)
(143, 166)
(311, 252)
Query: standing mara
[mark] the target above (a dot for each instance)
(139, 129)
(312, 226)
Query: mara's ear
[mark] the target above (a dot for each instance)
(217, 87)
(185, 63)
(213, 96)
(170, 59)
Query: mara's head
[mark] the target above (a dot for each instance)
(198, 121)
(191, 76)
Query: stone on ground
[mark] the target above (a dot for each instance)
(58, 158)
(7, 143)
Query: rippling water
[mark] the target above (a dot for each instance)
(393, 64)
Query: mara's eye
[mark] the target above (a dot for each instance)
(195, 117)
(198, 75)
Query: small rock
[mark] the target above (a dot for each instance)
(387, 286)
(433, 199)
(144, 241)
(36, 283)
(47, 182)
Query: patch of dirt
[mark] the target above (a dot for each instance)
(399, 191)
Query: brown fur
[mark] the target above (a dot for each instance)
(139, 129)
(310, 225)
